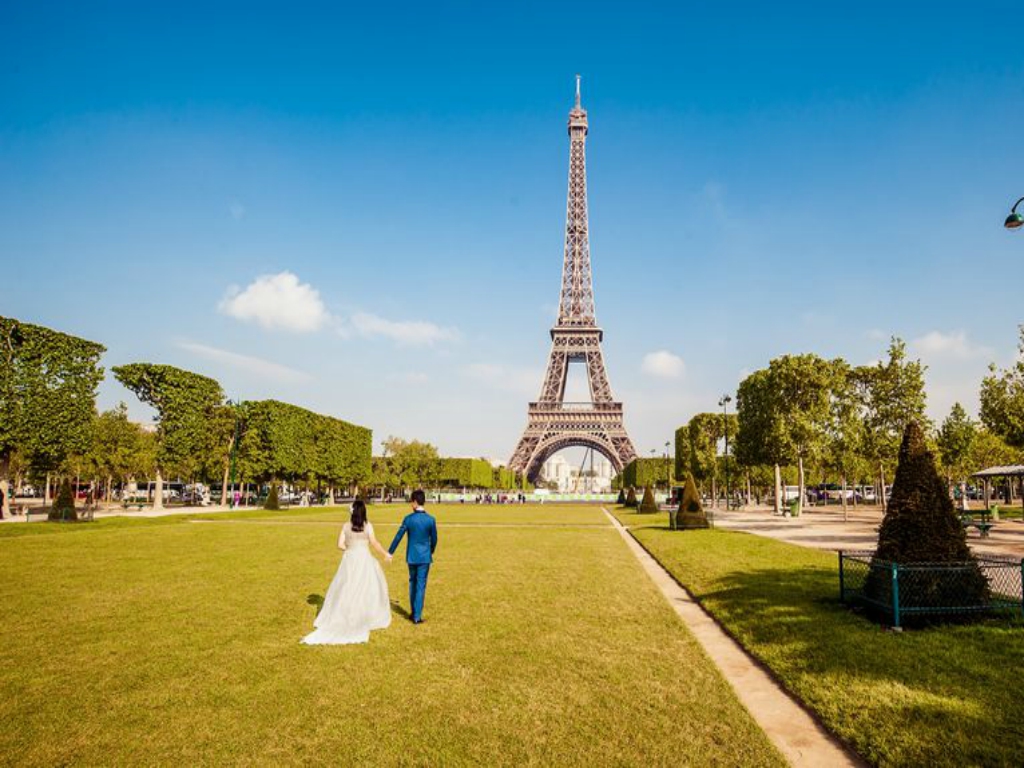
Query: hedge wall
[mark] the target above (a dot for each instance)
(641, 472)
(285, 442)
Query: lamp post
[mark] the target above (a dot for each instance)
(724, 402)
(668, 473)
(234, 453)
(1015, 220)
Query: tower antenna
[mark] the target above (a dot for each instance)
(577, 91)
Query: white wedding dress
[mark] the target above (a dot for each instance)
(357, 600)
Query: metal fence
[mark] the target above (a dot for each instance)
(901, 593)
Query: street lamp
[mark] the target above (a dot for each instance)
(1015, 220)
(724, 402)
(234, 453)
(668, 473)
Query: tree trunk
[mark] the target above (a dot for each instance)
(5, 487)
(158, 497)
(845, 503)
(800, 485)
(881, 485)
(986, 493)
(964, 503)
(748, 489)
(110, 487)
(224, 485)
(714, 493)
(47, 493)
(778, 490)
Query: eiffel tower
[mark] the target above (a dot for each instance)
(553, 423)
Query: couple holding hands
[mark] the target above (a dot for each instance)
(357, 600)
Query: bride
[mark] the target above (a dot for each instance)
(357, 600)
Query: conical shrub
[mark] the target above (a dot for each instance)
(690, 514)
(621, 501)
(648, 505)
(631, 498)
(921, 526)
(64, 505)
(273, 499)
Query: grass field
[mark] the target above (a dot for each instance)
(936, 697)
(173, 641)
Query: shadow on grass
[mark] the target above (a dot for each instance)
(399, 609)
(937, 696)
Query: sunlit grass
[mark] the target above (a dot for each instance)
(942, 696)
(177, 642)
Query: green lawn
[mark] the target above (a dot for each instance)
(171, 641)
(942, 696)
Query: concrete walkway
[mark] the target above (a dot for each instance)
(824, 528)
(800, 739)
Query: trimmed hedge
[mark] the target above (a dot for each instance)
(285, 442)
(641, 472)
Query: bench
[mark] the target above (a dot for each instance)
(984, 525)
(140, 505)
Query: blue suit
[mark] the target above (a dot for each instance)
(419, 554)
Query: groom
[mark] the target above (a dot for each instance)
(422, 530)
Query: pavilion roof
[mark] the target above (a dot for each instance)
(1010, 470)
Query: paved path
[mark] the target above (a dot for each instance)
(801, 740)
(823, 528)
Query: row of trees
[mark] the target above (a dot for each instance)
(407, 464)
(805, 416)
(49, 424)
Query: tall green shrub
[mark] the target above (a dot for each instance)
(273, 499)
(64, 505)
(621, 501)
(690, 514)
(648, 505)
(921, 526)
(631, 498)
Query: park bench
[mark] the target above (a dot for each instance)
(140, 505)
(984, 525)
(43, 511)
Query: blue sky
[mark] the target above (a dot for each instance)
(392, 182)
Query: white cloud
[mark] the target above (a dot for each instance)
(663, 364)
(254, 365)
(524, 381)
(277, 301)
(237, 210)
(408, 332)
(954, 345)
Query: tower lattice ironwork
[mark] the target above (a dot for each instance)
(553, 423)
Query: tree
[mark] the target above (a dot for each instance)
(118, 447)
(844, 430)
(802, 386)
(690, 514)
(956, 441)
(48, 383)
(760, 438)
(186, 404)
(892, 394)
(705, 430)
(631, 497)
(1002, 400)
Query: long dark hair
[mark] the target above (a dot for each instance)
(358, 515)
